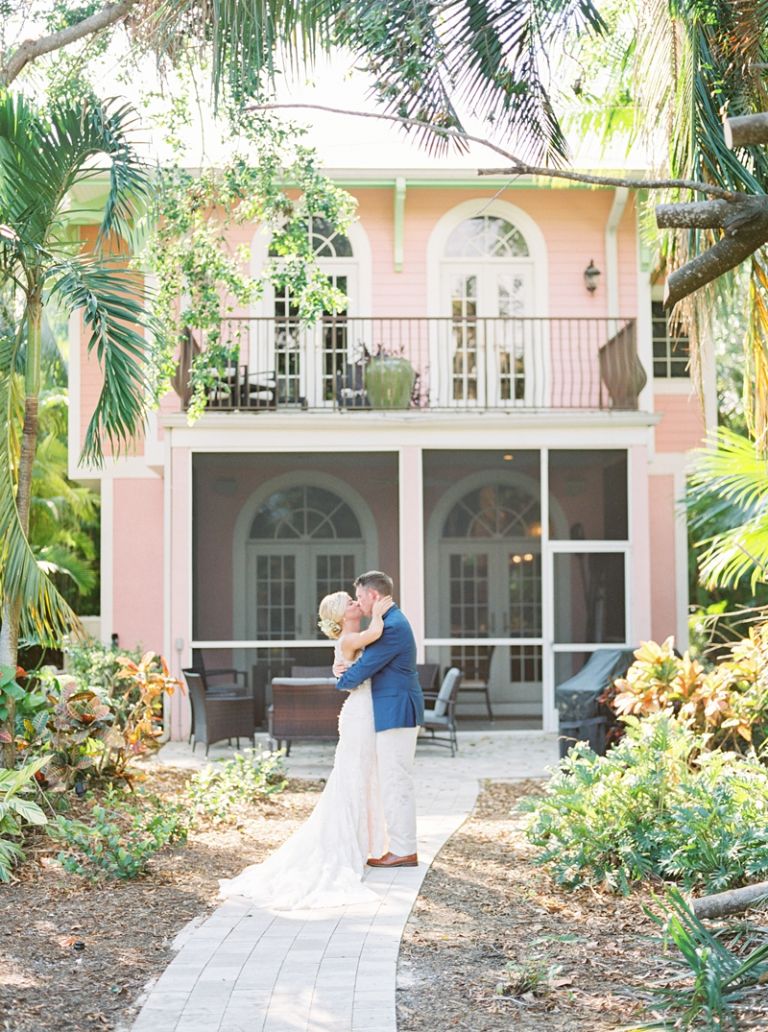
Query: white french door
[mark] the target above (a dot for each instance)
(284, 584)
(489, 355)
(306, 359)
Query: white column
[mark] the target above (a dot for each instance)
(639, 587)
(107, 558)
(411, 500)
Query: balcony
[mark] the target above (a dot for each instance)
(362, 364)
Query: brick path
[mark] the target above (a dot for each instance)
(247, 969)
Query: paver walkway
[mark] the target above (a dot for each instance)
(247, 969)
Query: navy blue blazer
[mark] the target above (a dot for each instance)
(390, 663)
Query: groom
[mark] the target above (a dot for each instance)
(398, 710)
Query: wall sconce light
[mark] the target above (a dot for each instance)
(591, 274)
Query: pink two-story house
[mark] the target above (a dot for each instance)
(524, 495)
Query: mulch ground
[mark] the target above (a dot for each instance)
(492, 943)
(46, 985)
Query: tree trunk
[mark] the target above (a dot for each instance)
(746, 129)
(9, 633)
(733, 902)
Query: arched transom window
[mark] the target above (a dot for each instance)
(486, 236)
(496, 511)
(304, 514)
(327, 242)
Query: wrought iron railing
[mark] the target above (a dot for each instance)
(461, 364)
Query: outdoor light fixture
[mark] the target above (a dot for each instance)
(591, 274)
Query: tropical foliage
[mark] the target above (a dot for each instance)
(16, 810)
(727, 704)
(660, 804)
(43, 156)
(728, 512)
(282, 190)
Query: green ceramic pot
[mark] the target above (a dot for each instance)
(389, 382)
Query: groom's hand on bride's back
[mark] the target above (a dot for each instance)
(339, 668)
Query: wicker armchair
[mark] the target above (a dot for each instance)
(304, 708)
(215, 717)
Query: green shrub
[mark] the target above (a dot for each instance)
(659, 804)
(118, 840)
(16, 811)
(219, 792)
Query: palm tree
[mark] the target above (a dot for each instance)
(426, 60)
(43, 155)
(728, 513)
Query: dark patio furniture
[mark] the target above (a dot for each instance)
(215, 717)
(236, 682)
(478, 675)
(312, 671)
(350, 387)
(428, 675)
(576, 699)
(304, 708)
(441, 715)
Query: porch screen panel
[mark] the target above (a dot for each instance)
(590, 603)
(273, 532)
(483, 570)
(588, 495)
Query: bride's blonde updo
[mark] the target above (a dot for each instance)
(331, 612)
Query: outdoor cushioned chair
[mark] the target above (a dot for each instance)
(428, 675)
(442, 716)
(215, 717)
(305, 708)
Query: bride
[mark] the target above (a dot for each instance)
(322, 864)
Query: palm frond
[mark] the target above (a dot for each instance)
(45, 616)
(43, 155)
(56, 560)
(728, 510)
(111, 299)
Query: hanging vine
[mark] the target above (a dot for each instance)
(202, 278)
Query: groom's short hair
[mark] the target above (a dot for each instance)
(376, 580)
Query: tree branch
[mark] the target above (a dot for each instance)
(520, 167)
(726, 254)
(31, 49)
(732, 216)
(745, 129)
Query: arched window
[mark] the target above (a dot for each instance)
(304, 542)
(486, 236)
(327, 242)
(495, 511)
(305, 513)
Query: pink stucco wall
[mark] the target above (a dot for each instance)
(682, 424)
(138, 563)
(661, 493)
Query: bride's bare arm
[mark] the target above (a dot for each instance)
(352, 643)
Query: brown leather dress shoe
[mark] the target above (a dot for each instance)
(390, 860)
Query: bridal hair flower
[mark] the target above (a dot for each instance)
(331, 612)
(330, 628)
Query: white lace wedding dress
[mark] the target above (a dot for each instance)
(322, 864)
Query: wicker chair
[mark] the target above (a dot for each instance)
(442, 714)
(215, 717)
(304, 708)
(311, 671)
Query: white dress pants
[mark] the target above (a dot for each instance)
(395, 751)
